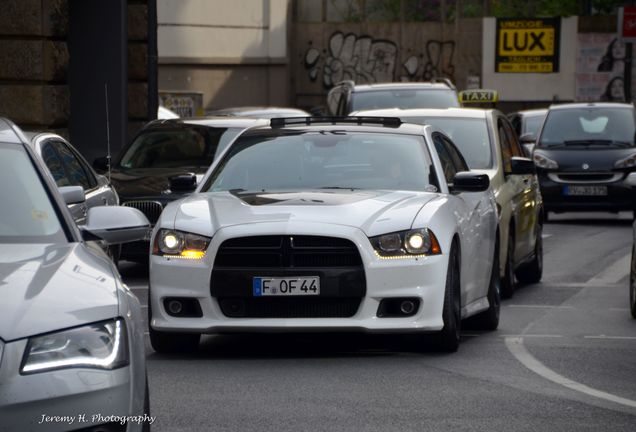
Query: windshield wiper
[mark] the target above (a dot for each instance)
(604, 142)
(339, 187)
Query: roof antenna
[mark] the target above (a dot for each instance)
(108, 158)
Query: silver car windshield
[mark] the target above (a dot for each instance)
(324, 160)
(468, 134)
(27, 214)
(185, 147)
(404, 98)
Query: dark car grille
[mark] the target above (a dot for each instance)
(586, 176)
(290, 307)
(152, 209)
(287, 251)
(335, 261)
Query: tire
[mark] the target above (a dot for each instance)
(146, 425)
(532, 272)
(632, 286)
(508, 281)
(449, 336)
(489, 319)
(169, 342)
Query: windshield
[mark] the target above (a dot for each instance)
(469, 135)
(532, 124)
(589, 126)
(324, 160)
(192, 147)
(404, 99)
(27, 214)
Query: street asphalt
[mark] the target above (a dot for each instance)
(563, 359)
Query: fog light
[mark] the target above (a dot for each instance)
(175, 307)
(407, 307)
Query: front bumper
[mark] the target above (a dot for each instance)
(621, 195)
(422, 278)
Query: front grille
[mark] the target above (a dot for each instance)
(290, 307)
(151, 209)
(335, 261)
(585, 177)
(287, 251)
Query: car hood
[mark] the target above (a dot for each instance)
(149, 182)
(46, 287)
(595, 158)
(375, 212)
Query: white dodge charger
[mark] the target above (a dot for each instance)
(325, 224)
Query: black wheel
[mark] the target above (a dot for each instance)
(632, 286)
(448, 337)
(489, 319)
(532, 272)
(169, 342)
(146, 425)
(508, 281)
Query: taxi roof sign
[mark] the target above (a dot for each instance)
(478, 96)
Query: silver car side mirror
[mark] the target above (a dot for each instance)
(115, 224)
(72, 194)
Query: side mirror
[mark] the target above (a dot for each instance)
(527, 149)
(183, 183)
(522, 166)
(101, 164)
(528, 138)
(72, 194)
(115, 224)
(468, 181)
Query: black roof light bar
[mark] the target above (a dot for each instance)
(292, 121)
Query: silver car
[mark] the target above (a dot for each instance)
(71, 333)
(69, 168)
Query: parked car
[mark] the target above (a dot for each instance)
(263, 112)
(71, 333)
(488, 143)
(586, 156)
(164, 162)
(328, 224)
(69, 168)
(527, 125)
(346, 97)
(164, 113)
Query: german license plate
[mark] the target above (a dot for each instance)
(572, 190)
(286, 286)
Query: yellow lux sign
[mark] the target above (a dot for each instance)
(526, 42)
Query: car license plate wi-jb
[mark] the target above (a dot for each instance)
(579, 190)
(286, 286)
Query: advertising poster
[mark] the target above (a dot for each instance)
(527, 45)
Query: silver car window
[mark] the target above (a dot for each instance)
(27, 214)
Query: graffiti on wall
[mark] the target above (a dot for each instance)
(602, 65)
(437, 61)
(366, 60)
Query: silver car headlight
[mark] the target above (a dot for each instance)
(406, 244)
(102, 345)
(542, 161)
(628, 162)
(179, 244)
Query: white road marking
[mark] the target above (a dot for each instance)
(516, 347)
(612, 274)
(539, 306)
(611, 337)
(532, 336)
(545, 236)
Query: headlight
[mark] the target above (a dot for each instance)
(101, 346)
(628, 162)
(179, 244)
(406, 244)
(542, 161)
